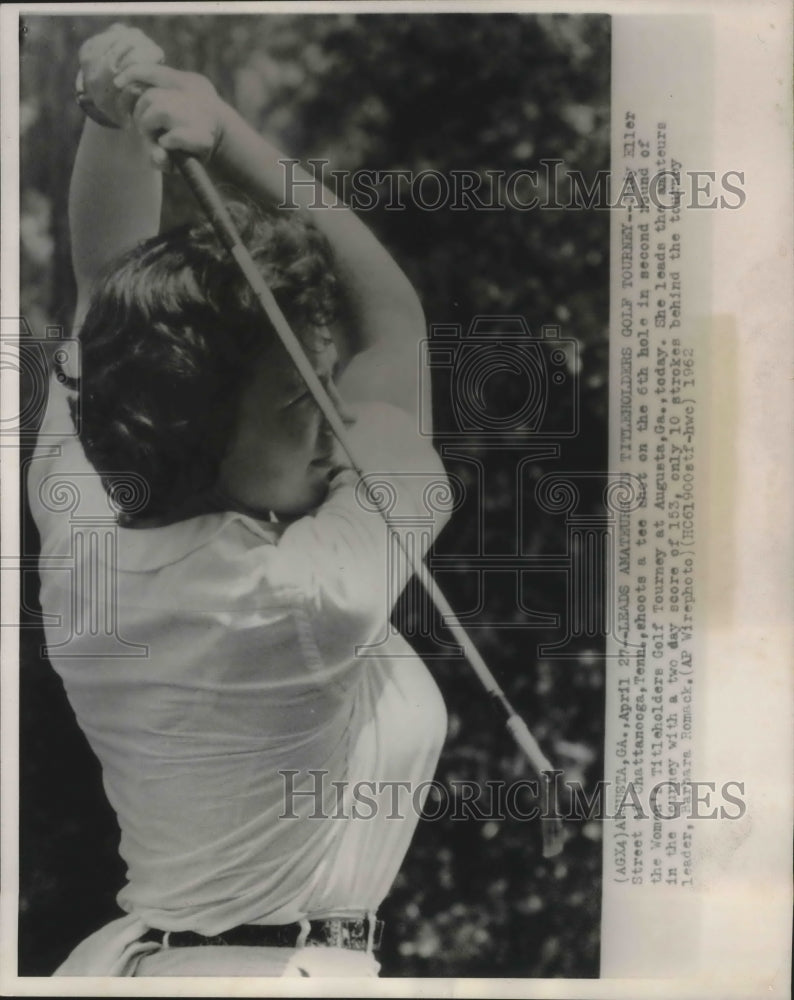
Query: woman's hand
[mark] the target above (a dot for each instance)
(122, 75)
(103, 56)
(172, 110)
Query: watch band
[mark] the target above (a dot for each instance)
(87, 106)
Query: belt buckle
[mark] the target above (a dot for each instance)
(355, 934)
(333, 933)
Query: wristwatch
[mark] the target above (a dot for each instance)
(88, 107)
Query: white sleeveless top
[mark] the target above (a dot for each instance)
(214, 663)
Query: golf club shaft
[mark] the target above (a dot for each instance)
(211, 203)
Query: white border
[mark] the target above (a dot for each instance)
(747, 951)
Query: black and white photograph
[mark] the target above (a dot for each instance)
(248, 662)
(370, 473)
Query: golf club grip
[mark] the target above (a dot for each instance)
(208, 198)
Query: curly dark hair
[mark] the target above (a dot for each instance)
(168, 344)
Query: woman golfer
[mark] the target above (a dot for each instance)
(216, 642)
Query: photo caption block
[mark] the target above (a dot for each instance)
(662, 194)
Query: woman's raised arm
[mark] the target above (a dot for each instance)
(114, 201)
(383, 320)
(115, 193)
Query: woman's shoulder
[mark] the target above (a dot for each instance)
(216, 539)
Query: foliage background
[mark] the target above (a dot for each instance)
(381, 92)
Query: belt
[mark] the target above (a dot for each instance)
(357, 934)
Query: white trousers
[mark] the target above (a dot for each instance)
(115, 950)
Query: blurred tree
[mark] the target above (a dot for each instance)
(441, 92)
